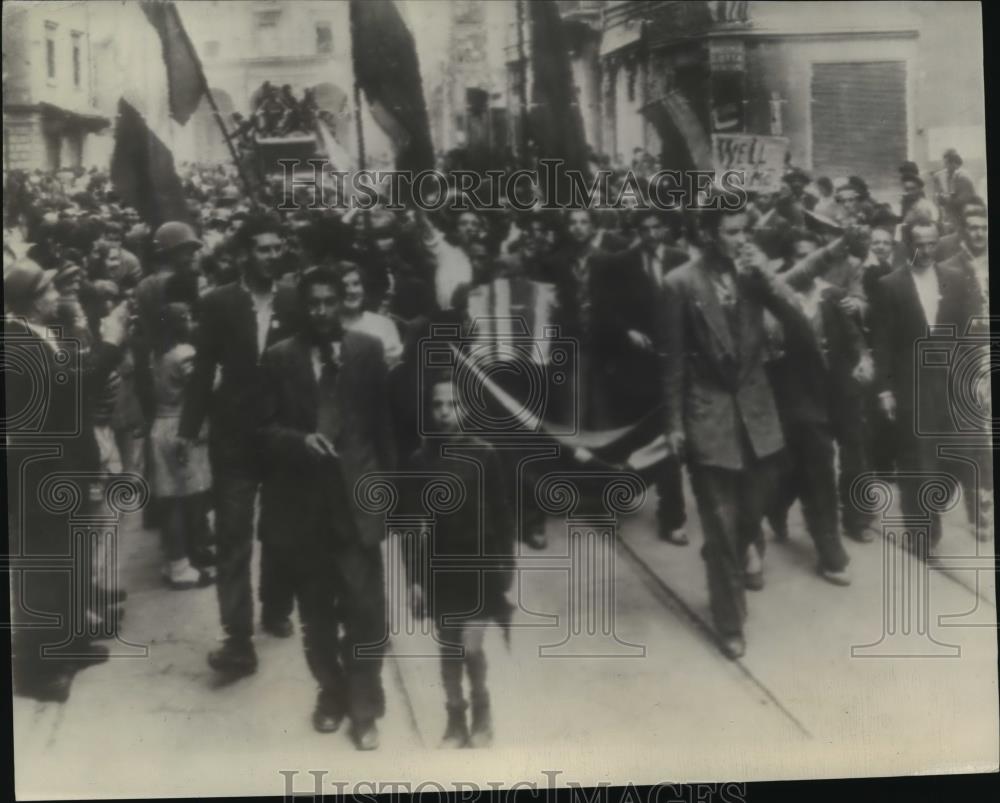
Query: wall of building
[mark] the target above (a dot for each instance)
(47, 59)
(785, 65)
(950, 86)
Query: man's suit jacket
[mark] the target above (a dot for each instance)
(961, 261)
(601, 332)
(638, 293)
(227, 339)
(715, 382)
(899, 326)
(304, 498)
(813, 382)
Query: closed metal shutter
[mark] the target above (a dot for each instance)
(859, 120)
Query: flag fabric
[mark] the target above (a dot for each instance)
(184, 75)
(555, 122)
(142, 170)
(638, 448)
(387, 71)
(673, 112)
(337, 155)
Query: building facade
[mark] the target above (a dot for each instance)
(854, 93)
(50, 111)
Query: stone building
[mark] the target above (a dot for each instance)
(854, 93)
(49, 111)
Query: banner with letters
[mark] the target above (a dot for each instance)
(761, 159)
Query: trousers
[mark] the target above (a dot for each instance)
(810, 477)
(731, 504)
(234, 509)
(340, 592)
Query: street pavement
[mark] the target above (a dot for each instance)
(609, 675)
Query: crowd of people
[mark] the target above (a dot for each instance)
(245, 353)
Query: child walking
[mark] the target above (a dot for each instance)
(466, 564)
(180, 485)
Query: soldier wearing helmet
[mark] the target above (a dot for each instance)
(175, 248)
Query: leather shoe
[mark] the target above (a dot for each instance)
(753, 581)
(733, 647)
(677, 536)
(281, 628)
(456, 735)
(365, 735)
(325, 720)
(841, 578)
(234, 658)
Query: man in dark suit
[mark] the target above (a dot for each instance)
(590, 310)
(817, 385)
(641, 273)
(720, 407)
(237, 322)
(325, 425)
(913, 395)
(48, 428)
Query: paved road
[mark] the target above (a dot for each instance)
(655, 700)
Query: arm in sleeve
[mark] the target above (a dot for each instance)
(198, 395)
(883, 327)
(673, 347)
(812, 265)
(382, 432)
(280, 442)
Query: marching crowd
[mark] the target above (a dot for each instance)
(245, 353)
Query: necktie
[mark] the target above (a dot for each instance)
(328, 409)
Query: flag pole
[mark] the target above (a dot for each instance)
(359, 128)
(225, 134)
(215, 111)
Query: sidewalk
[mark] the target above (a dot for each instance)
(806, 644)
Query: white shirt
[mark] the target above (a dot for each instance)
(929, 292)
(452, 267)
(263, 310)
(654, 264)
(382, 327)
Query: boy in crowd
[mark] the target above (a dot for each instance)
(466, 557)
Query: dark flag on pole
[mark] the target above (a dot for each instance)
(184, 76)
(387, 70)
(556, 125)
(142, 170)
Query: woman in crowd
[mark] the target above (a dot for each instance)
(354, 316)
(180, 485)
